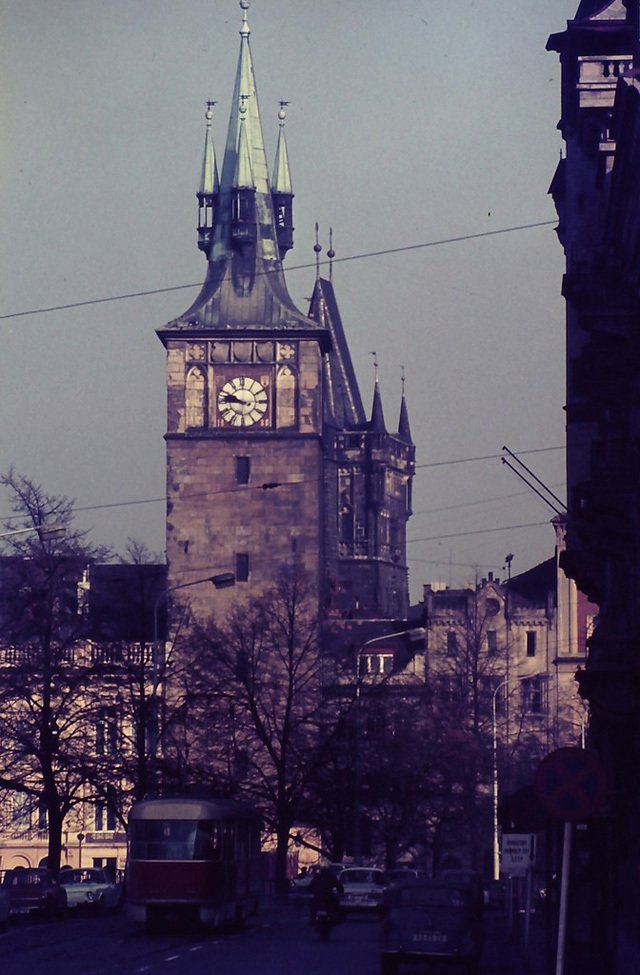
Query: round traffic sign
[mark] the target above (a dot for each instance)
(572, 784)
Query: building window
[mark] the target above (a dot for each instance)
(452, 643)
(531, 643)
(376, 664)
(242, 567)
(106, 735)
(21, 806)
(243, 470)
(105, 818)
(533, 696)
(492, 642)
(195, 398)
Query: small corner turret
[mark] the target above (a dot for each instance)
(243, 191)
(281, 191)
(209, 188)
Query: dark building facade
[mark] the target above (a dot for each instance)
(595, 190)
(271, 458)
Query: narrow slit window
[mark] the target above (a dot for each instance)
(243, 470)
(242, 567)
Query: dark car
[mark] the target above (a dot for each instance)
(4, 908)
(32, 890)
(431, 920)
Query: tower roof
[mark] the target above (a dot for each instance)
(245, 285)
(209, 182)
(404, 430)
(344, 407)
(281, 174)
(377, 423)
(596, 23)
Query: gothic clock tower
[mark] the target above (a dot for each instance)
(244, 376)
(271, 461)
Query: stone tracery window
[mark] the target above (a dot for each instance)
(195, 398)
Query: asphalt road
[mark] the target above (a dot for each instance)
(277, 942)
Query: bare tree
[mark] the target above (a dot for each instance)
(257, 683)
(126, 619)
(45, 704)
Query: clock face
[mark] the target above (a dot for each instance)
(242, 401)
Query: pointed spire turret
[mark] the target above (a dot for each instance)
(377, 423)
(404, 430)
(281, 190)
(239, 231)
(209, 187)
(243, 191)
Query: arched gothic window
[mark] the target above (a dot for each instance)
(286, 397)
(195, 398)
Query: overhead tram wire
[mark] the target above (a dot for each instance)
(264, 487)
(295, 267)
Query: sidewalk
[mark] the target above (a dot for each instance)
(509, 951)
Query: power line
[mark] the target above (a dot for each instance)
(262, 487)
(479, 531)
(473, 504)
(296, 267)
(468, 460)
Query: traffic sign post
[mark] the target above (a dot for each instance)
(572, 786)
(518, 851)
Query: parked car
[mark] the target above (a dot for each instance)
(4, 908)
(363, 890)
(34, 889)
(92, 889)
(431, 920)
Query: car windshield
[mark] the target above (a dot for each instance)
(22, 878)
(360, 877)
(68, 877)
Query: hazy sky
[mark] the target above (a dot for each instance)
(411, 122)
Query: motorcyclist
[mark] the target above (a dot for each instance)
(325, 893)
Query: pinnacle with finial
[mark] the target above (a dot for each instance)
(244, 6)
(375, 363)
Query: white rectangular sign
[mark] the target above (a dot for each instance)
(517, 853)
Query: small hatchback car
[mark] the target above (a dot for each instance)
(34, 889)
(431, 920)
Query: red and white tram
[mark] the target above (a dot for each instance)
(192, 859)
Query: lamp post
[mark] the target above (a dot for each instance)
(44, 531)
(222, 580)
(494, 735)
(413, 635)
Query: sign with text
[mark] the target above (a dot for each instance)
(517, 853)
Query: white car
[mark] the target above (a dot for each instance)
(363, 890)
(91, 888)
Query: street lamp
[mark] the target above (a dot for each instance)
(494, 734)
(221, 581)
(44, 531)
(413, 635)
